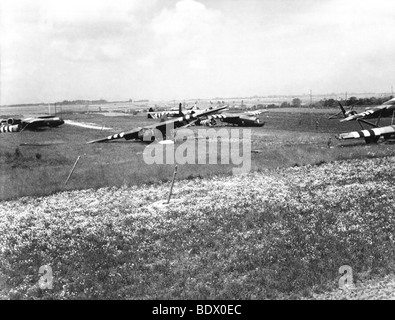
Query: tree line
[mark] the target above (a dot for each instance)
(332, 103)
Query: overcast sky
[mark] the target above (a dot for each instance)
(52, 50)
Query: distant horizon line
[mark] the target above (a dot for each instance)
(197, 99)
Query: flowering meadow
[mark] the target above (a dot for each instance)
(273, 234)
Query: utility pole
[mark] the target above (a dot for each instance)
(311, 99)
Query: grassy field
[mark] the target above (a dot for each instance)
(275, 234)
(309, 205)
(38, 163)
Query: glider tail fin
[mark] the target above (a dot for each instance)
(180, 110)
(342, 109)
(149, 115)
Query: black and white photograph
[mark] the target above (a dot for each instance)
(218, 153)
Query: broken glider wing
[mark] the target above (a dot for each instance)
(133, 134)
(370, 134)
(87, 125)
(144, 132)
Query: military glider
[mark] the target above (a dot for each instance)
(387, 109)
(151, 114)
(18, 125)
(373, 134)
(150, 133)
(247, 119)
(344, 112)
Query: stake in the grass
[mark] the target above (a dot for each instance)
(72, 170)
(172, 183)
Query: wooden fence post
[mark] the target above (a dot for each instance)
(72, 170)
(172, 184)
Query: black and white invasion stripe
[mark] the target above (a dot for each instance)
(375, 132)
(254, 113)
(9, 128)
(217, 116)
(116, 136)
